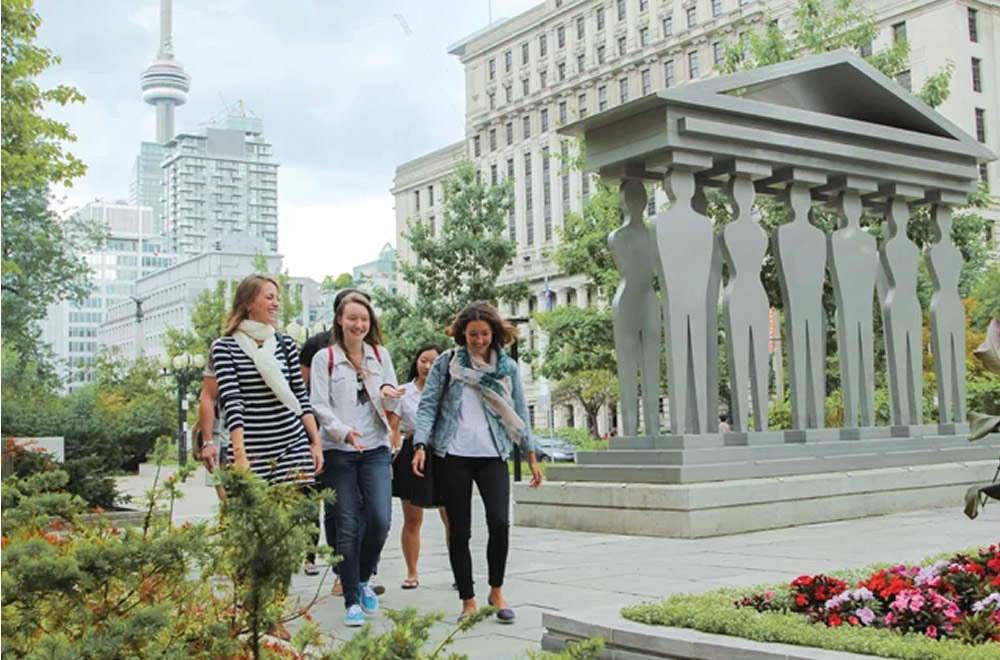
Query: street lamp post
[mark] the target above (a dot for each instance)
(185, 368)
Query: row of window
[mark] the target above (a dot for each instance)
(691, 15)
(85, 317)
(82, 331)
(430, 197)
(81, 346)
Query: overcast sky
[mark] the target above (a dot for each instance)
(344, 92)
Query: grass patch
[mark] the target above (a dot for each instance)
(714, 612)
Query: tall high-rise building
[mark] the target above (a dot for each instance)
(218, 184)
(566, 59)
(145, 186)
(130, 252)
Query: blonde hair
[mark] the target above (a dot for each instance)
(374, 336)
(246, 291)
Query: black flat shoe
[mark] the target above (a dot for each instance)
(504, 614)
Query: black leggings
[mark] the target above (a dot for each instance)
(490, 476)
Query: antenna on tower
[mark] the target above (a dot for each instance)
(403, 24)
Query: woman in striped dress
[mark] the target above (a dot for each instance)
(272, 427)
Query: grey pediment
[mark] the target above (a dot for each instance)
(836, 84)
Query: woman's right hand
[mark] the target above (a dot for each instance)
(353, 438)
(242, 462)
(418, 461)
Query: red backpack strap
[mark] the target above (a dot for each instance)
(329, 364)
(378, 354)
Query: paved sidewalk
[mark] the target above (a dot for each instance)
(550, 570)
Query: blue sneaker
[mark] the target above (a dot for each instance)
(354, 617)
(369, 601)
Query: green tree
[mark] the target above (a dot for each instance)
(41, 260)
(579, 340)
(593, 389)
(207, 318)
(987, 300)
(462, 262)
(583, 246)
(333, 284)
(457, 265)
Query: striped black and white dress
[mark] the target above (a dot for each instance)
(275, 439)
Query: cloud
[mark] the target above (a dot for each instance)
(344, 93)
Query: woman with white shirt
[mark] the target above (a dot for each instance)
(352, 383)
(404, 423)
(471, 414)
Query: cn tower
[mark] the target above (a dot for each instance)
(164, 83)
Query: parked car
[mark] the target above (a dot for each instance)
(555, 450)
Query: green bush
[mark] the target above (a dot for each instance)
(85, 477)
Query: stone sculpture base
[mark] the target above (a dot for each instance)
(710, 485)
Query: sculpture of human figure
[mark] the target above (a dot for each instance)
(944, 262)
(899, 259)
(745, 309)
(635, 313)
(687, 255)
(800, 257)
(853, 257)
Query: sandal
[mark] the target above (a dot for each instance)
(411, 584)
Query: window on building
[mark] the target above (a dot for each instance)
(508, 61)
(562, 112)
(977, 74)
(620, 4)
(525, 86)
(981, 124)
(692, 16)
(416, 200)
(973, 25)
(622, 45)
(561, 71)
(528, 201)
(866, 50)
(510, 133)
(716, 8)
(493, 101)
(508, 93)
(581, 105)
(600, 54)
(668, 73)
(623, 89)
(543, 77)
(718, 53)
(899, 32)
(693, 64)
(599, 17)
(651, 206)
(904, 80)
(585, 184)
(602, 98)
(543, 45)
(564, 153)
(561, 36)
(581, 61)
(984, 173)
(493, 139)
(525, 53)
(494, 175)
(430, 223)
(668, 26)
(475, 146)
(543, 119)
(492, 66)
(510, 168)
(581, 27)
(430, 195)
(644, 36)
(744, 2)
(647, 81)
(526, 126)
(546, 196)
(643, 5)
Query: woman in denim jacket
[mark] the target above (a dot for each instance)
(471, 413)
(352, 382)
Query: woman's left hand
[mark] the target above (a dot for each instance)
(317, 456)
(392, 392)
(536, 473)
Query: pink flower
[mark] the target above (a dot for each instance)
(932, 631)
(916, 602)
(889, 618)
(768, 594)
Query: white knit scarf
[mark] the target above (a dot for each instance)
(247, 335)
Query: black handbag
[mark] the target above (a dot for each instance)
(427, 492)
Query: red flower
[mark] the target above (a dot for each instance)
(801, 600)
(853, 620)
(835, 620)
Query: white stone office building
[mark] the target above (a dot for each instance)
(565, 59)
(130, 252)
(169, 296)
(222, 183)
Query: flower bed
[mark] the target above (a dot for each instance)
(947, 609)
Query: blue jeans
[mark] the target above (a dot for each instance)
(363, 483)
